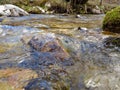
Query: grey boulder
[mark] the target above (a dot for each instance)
(12, 10)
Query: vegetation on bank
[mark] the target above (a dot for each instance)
(111, 21)
(59, 6)
(30, 5)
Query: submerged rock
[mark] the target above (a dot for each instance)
(112, 42)
(11, 10)
(49, 56)
(38, 84)
(47, 43)
(105, 81)
(52, 46)
(13, 79)
(46, 50)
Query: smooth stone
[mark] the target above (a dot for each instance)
(11, 10)
(38, 84)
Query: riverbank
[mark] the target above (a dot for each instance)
(61, 6)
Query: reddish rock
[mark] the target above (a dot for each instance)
(43, 43)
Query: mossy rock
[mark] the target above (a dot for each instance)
(111, 21)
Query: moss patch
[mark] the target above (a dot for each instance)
(111, 21)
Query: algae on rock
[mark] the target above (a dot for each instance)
(111, 21)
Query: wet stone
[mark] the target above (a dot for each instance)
(50, 57)
(52, 46)
(6, 65)
(47, 48)
(112, 42)
(12, 10)
(13, 79)
(38, 84)
(38, 61)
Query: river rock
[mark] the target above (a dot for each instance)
(112, 42)
(48, 55)
(14, 79)
(46, 50)
(104, 81)
(111, 21)
(38, 84)
(11, 10)
(53, 79)
(40, 9)
(96, 10)
(49, 43)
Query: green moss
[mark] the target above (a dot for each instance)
(112, 16)
(111, 21)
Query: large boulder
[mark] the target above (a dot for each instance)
(112, 21)
(11, 10)
(38, 84)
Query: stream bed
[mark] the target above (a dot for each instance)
(58, 52)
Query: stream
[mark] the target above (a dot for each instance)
(58, 52)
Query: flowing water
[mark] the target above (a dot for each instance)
(87, 58)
